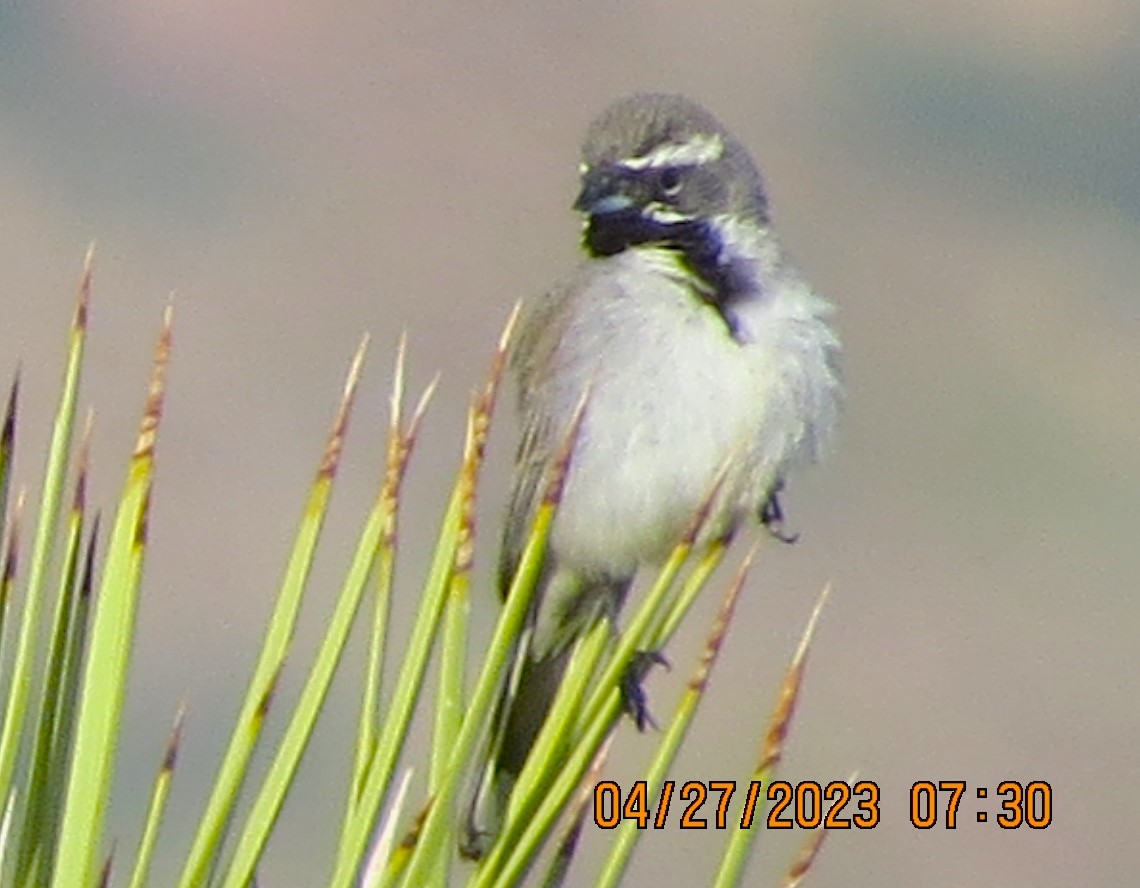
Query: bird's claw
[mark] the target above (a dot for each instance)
(634, 699)
(772, 517)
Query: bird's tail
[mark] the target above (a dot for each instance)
(525, 697)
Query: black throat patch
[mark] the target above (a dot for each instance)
(697, 243)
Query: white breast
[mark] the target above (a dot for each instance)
(674, 398)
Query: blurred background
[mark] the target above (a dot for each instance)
(961, 179)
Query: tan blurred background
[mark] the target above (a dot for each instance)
(960, 178)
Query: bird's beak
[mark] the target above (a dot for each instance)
(603, 191)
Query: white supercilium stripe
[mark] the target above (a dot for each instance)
(699, 149)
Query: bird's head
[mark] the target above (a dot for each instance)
(659, 169)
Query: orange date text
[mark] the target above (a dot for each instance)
(701, 804)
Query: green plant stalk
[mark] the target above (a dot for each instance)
(604, 694)
(374, 667)
(453, 664)
(54, 473)
(449, 701)
(449, 712)
(112, 636)
(741, 841)
(358, 827)
(9, 527)
(376, 544)
(540, 809)
(7, 449)
(9, 530)
(266, 808)
(6, 825)
(479, 421)
(453, 651)
(628, 832)
(564, 853)
(61, 744)
(510, 622)
(452, 553)
(430, 848)
(554, 802)
(8, 574)
(278, 638)
(157, 808)
(548, 755)
(668, 625)
(546, 758)
(633, 638)
(375, 868)
(453, 659)
(399, 446)
(104, 688)
(36, 849)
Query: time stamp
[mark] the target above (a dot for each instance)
(779, 804)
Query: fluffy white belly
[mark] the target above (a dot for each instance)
(674, 399)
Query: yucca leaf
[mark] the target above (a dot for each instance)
(741, 840)
(157, 808)
(268, 803)
(40, 821)
(409, 682)
(507, 629)
(108, 660)
(627, 833)
(275, 647)
(55, 471)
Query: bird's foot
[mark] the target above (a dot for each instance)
(475, 844)
(772, 517)
(634, 699)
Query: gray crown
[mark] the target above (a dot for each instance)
(639, 137)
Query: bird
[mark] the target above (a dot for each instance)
(705, 356)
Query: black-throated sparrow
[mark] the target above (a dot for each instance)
(702, 349)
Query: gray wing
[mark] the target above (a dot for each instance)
(532, 359)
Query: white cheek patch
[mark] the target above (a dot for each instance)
(698, 150)
(666, 215)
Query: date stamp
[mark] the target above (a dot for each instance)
(809, 804)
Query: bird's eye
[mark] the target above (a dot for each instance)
(670, 181)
